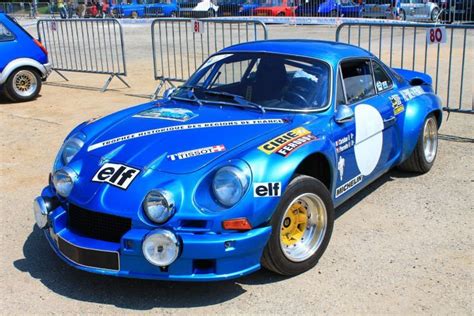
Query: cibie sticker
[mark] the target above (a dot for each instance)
(197, 152)
(267, 189)
(173, 114)
(397, 104)
(118, 175)
(288, 142)
(349, 185)
(345, 143)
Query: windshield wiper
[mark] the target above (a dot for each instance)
(191, 95)
(241, 101)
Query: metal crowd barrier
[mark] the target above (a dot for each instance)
(181, 45)
(85, 45)
(407, 46)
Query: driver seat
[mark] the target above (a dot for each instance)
(270, 79)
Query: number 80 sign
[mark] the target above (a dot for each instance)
(436, 35)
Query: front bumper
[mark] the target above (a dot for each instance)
(203, 256)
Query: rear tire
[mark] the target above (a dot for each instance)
(301, 227)
(424, 154)
(134, 15)
(434, 15)
(24, 84)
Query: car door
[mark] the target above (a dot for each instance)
(365, 145)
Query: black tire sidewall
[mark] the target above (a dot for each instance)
(10, 92)
(299, 185)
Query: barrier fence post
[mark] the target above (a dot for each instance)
(446, 66)
(175, 57)
(93, 46)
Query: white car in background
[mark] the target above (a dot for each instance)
(204, 8)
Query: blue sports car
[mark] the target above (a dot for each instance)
(240, 167)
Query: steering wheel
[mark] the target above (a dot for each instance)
(295, 98)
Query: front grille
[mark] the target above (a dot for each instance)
(97, 225)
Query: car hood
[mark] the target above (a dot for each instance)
(178, 137)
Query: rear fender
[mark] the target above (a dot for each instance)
(417, 110)
(21, 62)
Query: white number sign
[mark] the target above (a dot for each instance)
(436, 35)
(197, 26)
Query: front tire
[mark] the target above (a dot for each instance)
(424, 155)
(24, 84)
(301, 227)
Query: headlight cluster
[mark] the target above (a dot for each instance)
(68, 150)
(230, 183)
(63, 181)
(159, 206)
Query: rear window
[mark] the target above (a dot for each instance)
(5, 34)
(18, 25)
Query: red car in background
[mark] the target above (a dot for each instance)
(277, 8)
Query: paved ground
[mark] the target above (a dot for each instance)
(404, 245)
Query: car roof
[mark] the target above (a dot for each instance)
(331, 52)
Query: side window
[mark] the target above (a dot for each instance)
(358, 80)
(382, 80)
(5, 34)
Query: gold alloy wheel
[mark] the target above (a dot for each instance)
(303, 227)
(24, 83)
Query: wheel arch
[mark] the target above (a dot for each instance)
(21, 63)
(416, 113)
(316, 165)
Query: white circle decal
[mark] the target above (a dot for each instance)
(369, 138)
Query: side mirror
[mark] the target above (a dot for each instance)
(168, 93)
(344, 114)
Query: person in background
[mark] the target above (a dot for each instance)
(34, 9)
(71, 8)
(81, 9)
(62, 9)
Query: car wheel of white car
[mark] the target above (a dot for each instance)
(24, 84)
(424, 155)
(211, 13)
(434, 15)
(301, 227)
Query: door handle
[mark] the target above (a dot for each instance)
(389, 122)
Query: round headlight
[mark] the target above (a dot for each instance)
(159, 206)
(63, 181)
(229, 185)
(69, 149)
(161, 248)
(41, 212)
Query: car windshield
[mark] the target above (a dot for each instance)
(260, 80)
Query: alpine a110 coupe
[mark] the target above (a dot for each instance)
(241, 167)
